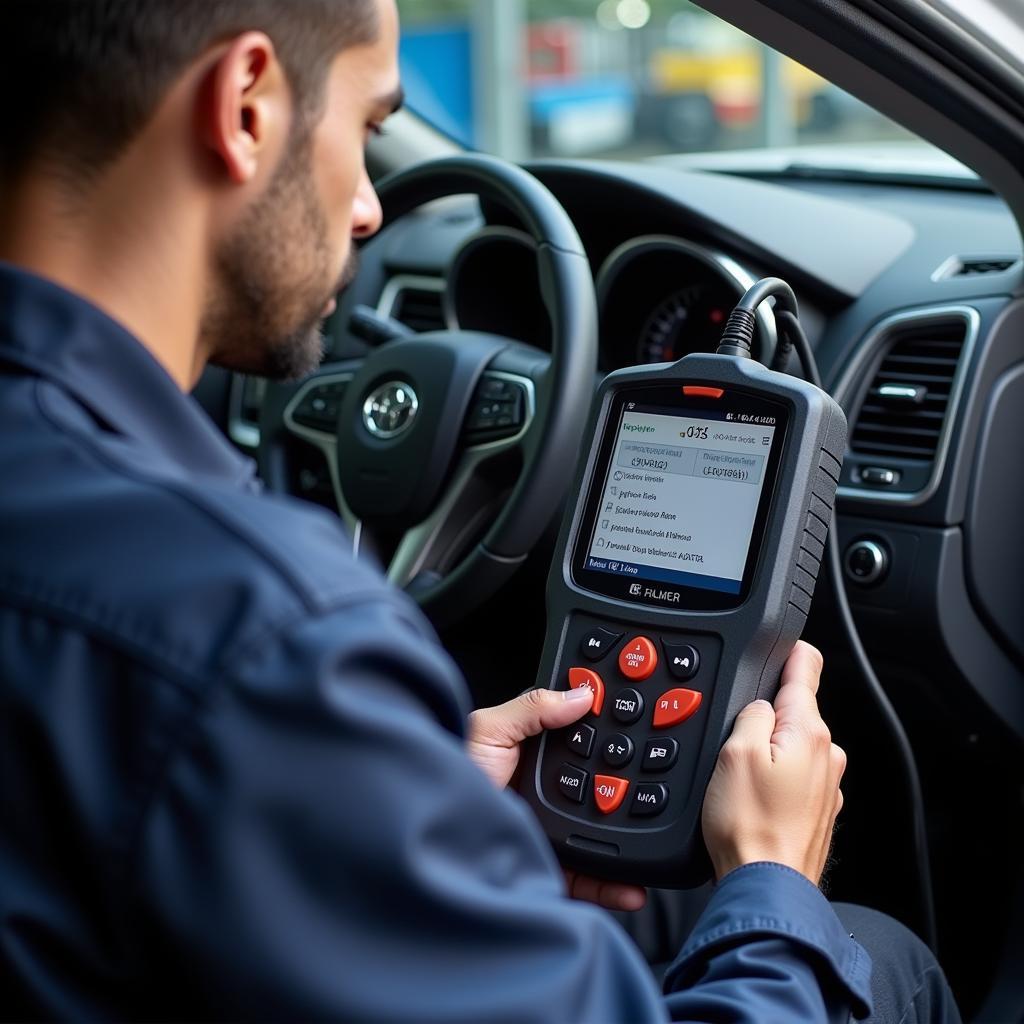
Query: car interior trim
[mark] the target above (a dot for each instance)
(955, 265)
(485, 236)
(240, 430)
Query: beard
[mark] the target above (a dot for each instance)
(274, 276)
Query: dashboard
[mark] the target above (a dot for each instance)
(910, 297)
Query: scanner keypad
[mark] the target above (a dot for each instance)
(631, 759)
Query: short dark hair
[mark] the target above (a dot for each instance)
(82, 77)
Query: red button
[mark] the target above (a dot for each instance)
(638, 659)
(609, 792)
(585, 677)
(697, 391)
(675, 706)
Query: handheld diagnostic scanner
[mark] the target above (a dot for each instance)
(683, 578)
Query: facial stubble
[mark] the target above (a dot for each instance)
(274, 277)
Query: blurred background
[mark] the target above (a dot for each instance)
(618, 79)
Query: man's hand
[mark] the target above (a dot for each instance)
(494, 738)
(775, 791)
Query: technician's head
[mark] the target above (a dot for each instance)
(249, 116)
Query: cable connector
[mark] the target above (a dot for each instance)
(739, 328)
(738, 334)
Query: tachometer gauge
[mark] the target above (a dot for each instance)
(661, 297)
(689, 320)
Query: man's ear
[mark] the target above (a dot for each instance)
(246, 106)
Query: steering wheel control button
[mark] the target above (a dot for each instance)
(675, 706)
(660, 754)
(649, 799)
(597, 643)
(682, 660)
(617, 749)
(572, 781)
(320, 406)
(866, 562)
(638, 659)
(628, 706)
(609, 792)
(497, 410)
(586, 677)
(580, 739)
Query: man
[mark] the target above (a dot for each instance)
(235, 771)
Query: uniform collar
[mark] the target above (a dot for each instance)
(61, 337)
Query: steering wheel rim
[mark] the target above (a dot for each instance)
(557, 399)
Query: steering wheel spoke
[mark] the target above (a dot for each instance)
(429, 550)
(312, 416)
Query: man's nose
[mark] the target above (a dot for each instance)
(366, 212)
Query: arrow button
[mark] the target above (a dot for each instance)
(682, 660)
(675, 706)
(586, 677)
(579, 739)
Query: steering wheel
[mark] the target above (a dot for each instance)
(450, 452)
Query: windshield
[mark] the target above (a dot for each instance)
(633, 79)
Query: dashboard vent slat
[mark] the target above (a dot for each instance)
(925, 355)
(420, 309)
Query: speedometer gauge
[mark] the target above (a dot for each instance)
(689, 320)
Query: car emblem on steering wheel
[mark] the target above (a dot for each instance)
(390, 409)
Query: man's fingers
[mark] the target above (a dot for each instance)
(610, 895)
(530, 713)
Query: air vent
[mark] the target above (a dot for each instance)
(906, 404)
(419, 309)
(974, 266)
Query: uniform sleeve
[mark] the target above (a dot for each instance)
(769, 947)
(322, 848)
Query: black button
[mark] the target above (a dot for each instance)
(495, 387)
(572, 782)
(867, 561)
(580, 739)
(660, 754)
(598, 642)
(682, 659)
(617, 749)
(628, 706)
(649, 798)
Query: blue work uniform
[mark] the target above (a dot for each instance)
(234, 780)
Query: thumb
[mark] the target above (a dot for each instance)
(529, 714)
